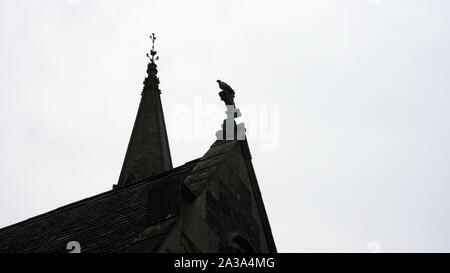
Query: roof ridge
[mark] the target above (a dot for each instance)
(105, 194)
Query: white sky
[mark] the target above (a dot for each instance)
(360, 91)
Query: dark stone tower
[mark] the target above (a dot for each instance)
(210, 204)
(148, 151)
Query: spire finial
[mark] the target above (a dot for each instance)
(153, 52)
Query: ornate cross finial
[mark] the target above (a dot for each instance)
(153, 52)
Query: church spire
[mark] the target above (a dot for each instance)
(148, 151)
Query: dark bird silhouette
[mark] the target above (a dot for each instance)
(225, 87)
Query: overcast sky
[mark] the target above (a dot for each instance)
(346, 104)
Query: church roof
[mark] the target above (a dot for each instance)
(108, 222)
(138, 213)
(117, 220)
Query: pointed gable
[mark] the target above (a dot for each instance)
(223, 188)
(211, 204)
